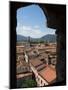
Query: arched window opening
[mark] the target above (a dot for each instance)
(33, 35)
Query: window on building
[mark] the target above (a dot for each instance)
(41, 81)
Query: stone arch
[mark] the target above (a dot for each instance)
(56, 18)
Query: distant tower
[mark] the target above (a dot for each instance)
(29, 41)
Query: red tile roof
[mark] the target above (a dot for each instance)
(49, 74)
(35, 62)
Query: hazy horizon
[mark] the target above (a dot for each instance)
(35, 37)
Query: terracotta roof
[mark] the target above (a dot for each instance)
(48, 73)
(35, 62)
(41, 67)
(30, 49)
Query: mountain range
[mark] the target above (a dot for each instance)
(48, 37)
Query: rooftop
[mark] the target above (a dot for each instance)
(48, 73)
(36, 62)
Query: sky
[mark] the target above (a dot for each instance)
(32, 22)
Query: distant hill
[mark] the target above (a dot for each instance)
(48, 37)
(21, 38)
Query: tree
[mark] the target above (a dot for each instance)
(29, 83)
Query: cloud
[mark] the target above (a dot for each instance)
(36, 27)
(34, 32)
(26, 28)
